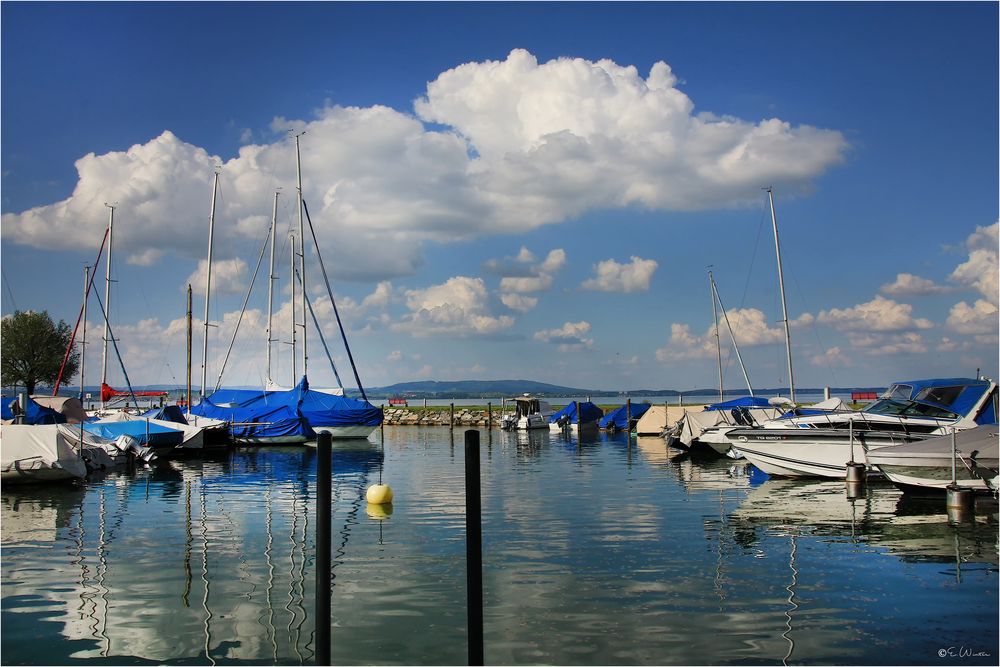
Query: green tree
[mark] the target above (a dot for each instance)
(32, 349)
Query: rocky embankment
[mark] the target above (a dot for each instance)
(439, 417)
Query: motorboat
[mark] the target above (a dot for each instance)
(929, 464)
(577, 416)
(529, 413)
(822, 445)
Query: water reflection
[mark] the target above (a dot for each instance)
(597, 550)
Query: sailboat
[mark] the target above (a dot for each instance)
(320, 411)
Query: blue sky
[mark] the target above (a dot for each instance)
(529, 190)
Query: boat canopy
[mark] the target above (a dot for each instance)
(34, 413)
(32, 450)
(324, 409)
(589, 412)
(742, 402)
(146, 432)
(619, 416)
(957, 395)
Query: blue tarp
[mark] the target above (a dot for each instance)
(282, 410)
(591, 413)
(328, 410)
(941, 392)
(5, 411)
(35, 413)
(258, 419)
(619, 416)
(149, 434)
(168, 413)
(742, 402)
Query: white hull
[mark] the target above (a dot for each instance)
(807, 452)
(346, 432)
(273, 440)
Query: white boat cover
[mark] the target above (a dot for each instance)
(653, 422)
(43, 452)
(694, 423)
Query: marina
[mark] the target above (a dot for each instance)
(600, 550)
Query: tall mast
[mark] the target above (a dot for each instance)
(208, 285)
(189, 327)
(718, 343)
(270, 287)
(83, 340)
(291, 238)
(107, 301)
(784, 306)
(732, 335)
(302, 254)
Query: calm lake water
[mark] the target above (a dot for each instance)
(595, 553)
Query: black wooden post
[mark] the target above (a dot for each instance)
(324, 482)
(474, 548)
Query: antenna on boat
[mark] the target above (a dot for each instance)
(784, 305)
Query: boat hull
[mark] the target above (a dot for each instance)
(352, 432)
(817, 453)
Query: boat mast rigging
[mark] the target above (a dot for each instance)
(107, 299)
(784, 305)
(208, 284)
(302, 254)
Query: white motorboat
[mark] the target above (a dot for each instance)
(529, 413)
(822, 445)
(929, 465)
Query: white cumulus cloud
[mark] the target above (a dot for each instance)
(514, 144)
(614, 277)
(570, 336)
(456, 307)
(980, 320)
(907, 284)
(879, 314)
(982, 269)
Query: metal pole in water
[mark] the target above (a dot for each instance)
(855, 471)
(474, 548)
(959, 499)
(324, 446)
(451, 419)
(489, 415)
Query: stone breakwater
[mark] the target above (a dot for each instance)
(441, 417)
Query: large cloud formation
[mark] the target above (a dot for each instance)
(493, 147)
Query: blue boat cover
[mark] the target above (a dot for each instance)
(5, 411)
(279, 413)
(258, 419)
(147, 433)
(619, 416)
(168, 413)
(34, 414)
(591, 413)
(742, 402)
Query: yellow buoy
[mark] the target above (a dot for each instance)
(379, 512)
(379, 494)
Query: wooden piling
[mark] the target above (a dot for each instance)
(324, 483)
(474, 548)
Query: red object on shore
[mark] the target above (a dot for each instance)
(863, 396)
(110, 392)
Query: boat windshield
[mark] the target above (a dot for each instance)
(903, 408)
